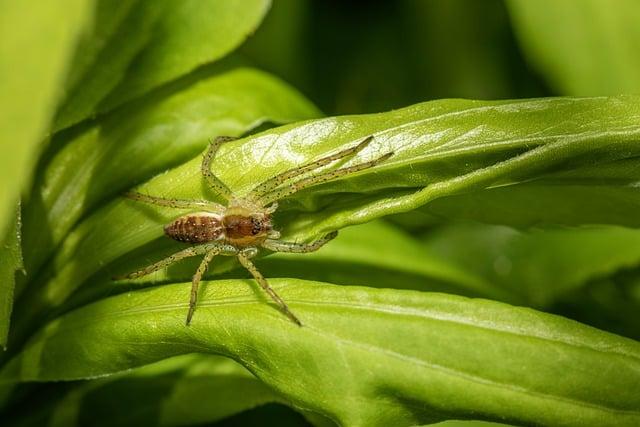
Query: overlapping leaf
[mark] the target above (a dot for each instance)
(185, 390)
(440, 148)
(146, 138)
(541, 265)
(140, 45)
(365, 356)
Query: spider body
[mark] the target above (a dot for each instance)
(236, 226)
(245, 224)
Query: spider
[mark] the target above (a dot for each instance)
(244, 224)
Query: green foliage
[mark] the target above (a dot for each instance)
(158, 391)
(413, 356)
(138, 45)
(541, 265)
(159, 132)
(414, 313)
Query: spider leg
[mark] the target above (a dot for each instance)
(246, 263)
(195, 281)
(280, 246)
(273, 183)
(213, 181)
(175, 203)
(290, 189)
(185, 253)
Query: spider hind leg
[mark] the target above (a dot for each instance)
(195, 282)
(185, 253)
(246, 263)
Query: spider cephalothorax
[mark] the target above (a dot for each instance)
(242, 226)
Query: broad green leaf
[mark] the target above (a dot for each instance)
(189, 34)
(36, 42)
(542, 265)
(187, 390)
(585, 197)
(107, 18)
(122, 30)
(440, 148)
(158, 42)
(583, 47)
(365, 356)
(145, 138)
(10, 264)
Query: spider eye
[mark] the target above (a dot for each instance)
(256, 226)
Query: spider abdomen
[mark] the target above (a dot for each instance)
(196, 228)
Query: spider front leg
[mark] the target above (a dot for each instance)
(280, 246)
(287, 190)
(276, 181)
(213, 181)
(243, 257)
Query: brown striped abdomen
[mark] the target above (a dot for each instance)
(195, 228)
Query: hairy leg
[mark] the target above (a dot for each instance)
(213, 181)
(280, 246)
(276, 181)
(246, 263)
(175, 203)
(185, 253)
(195, 281)
(288, 190)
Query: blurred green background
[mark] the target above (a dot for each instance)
(369, 56)
(353, 57)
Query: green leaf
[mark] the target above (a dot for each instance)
(586, 47)
(145, 138)
(10, 264)
(365, 356)
(185, 390)
(441, 148)
(158, 42)
(583, 196)
(107, 18)
(33, 37)
(121, 31)
(542, 265)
